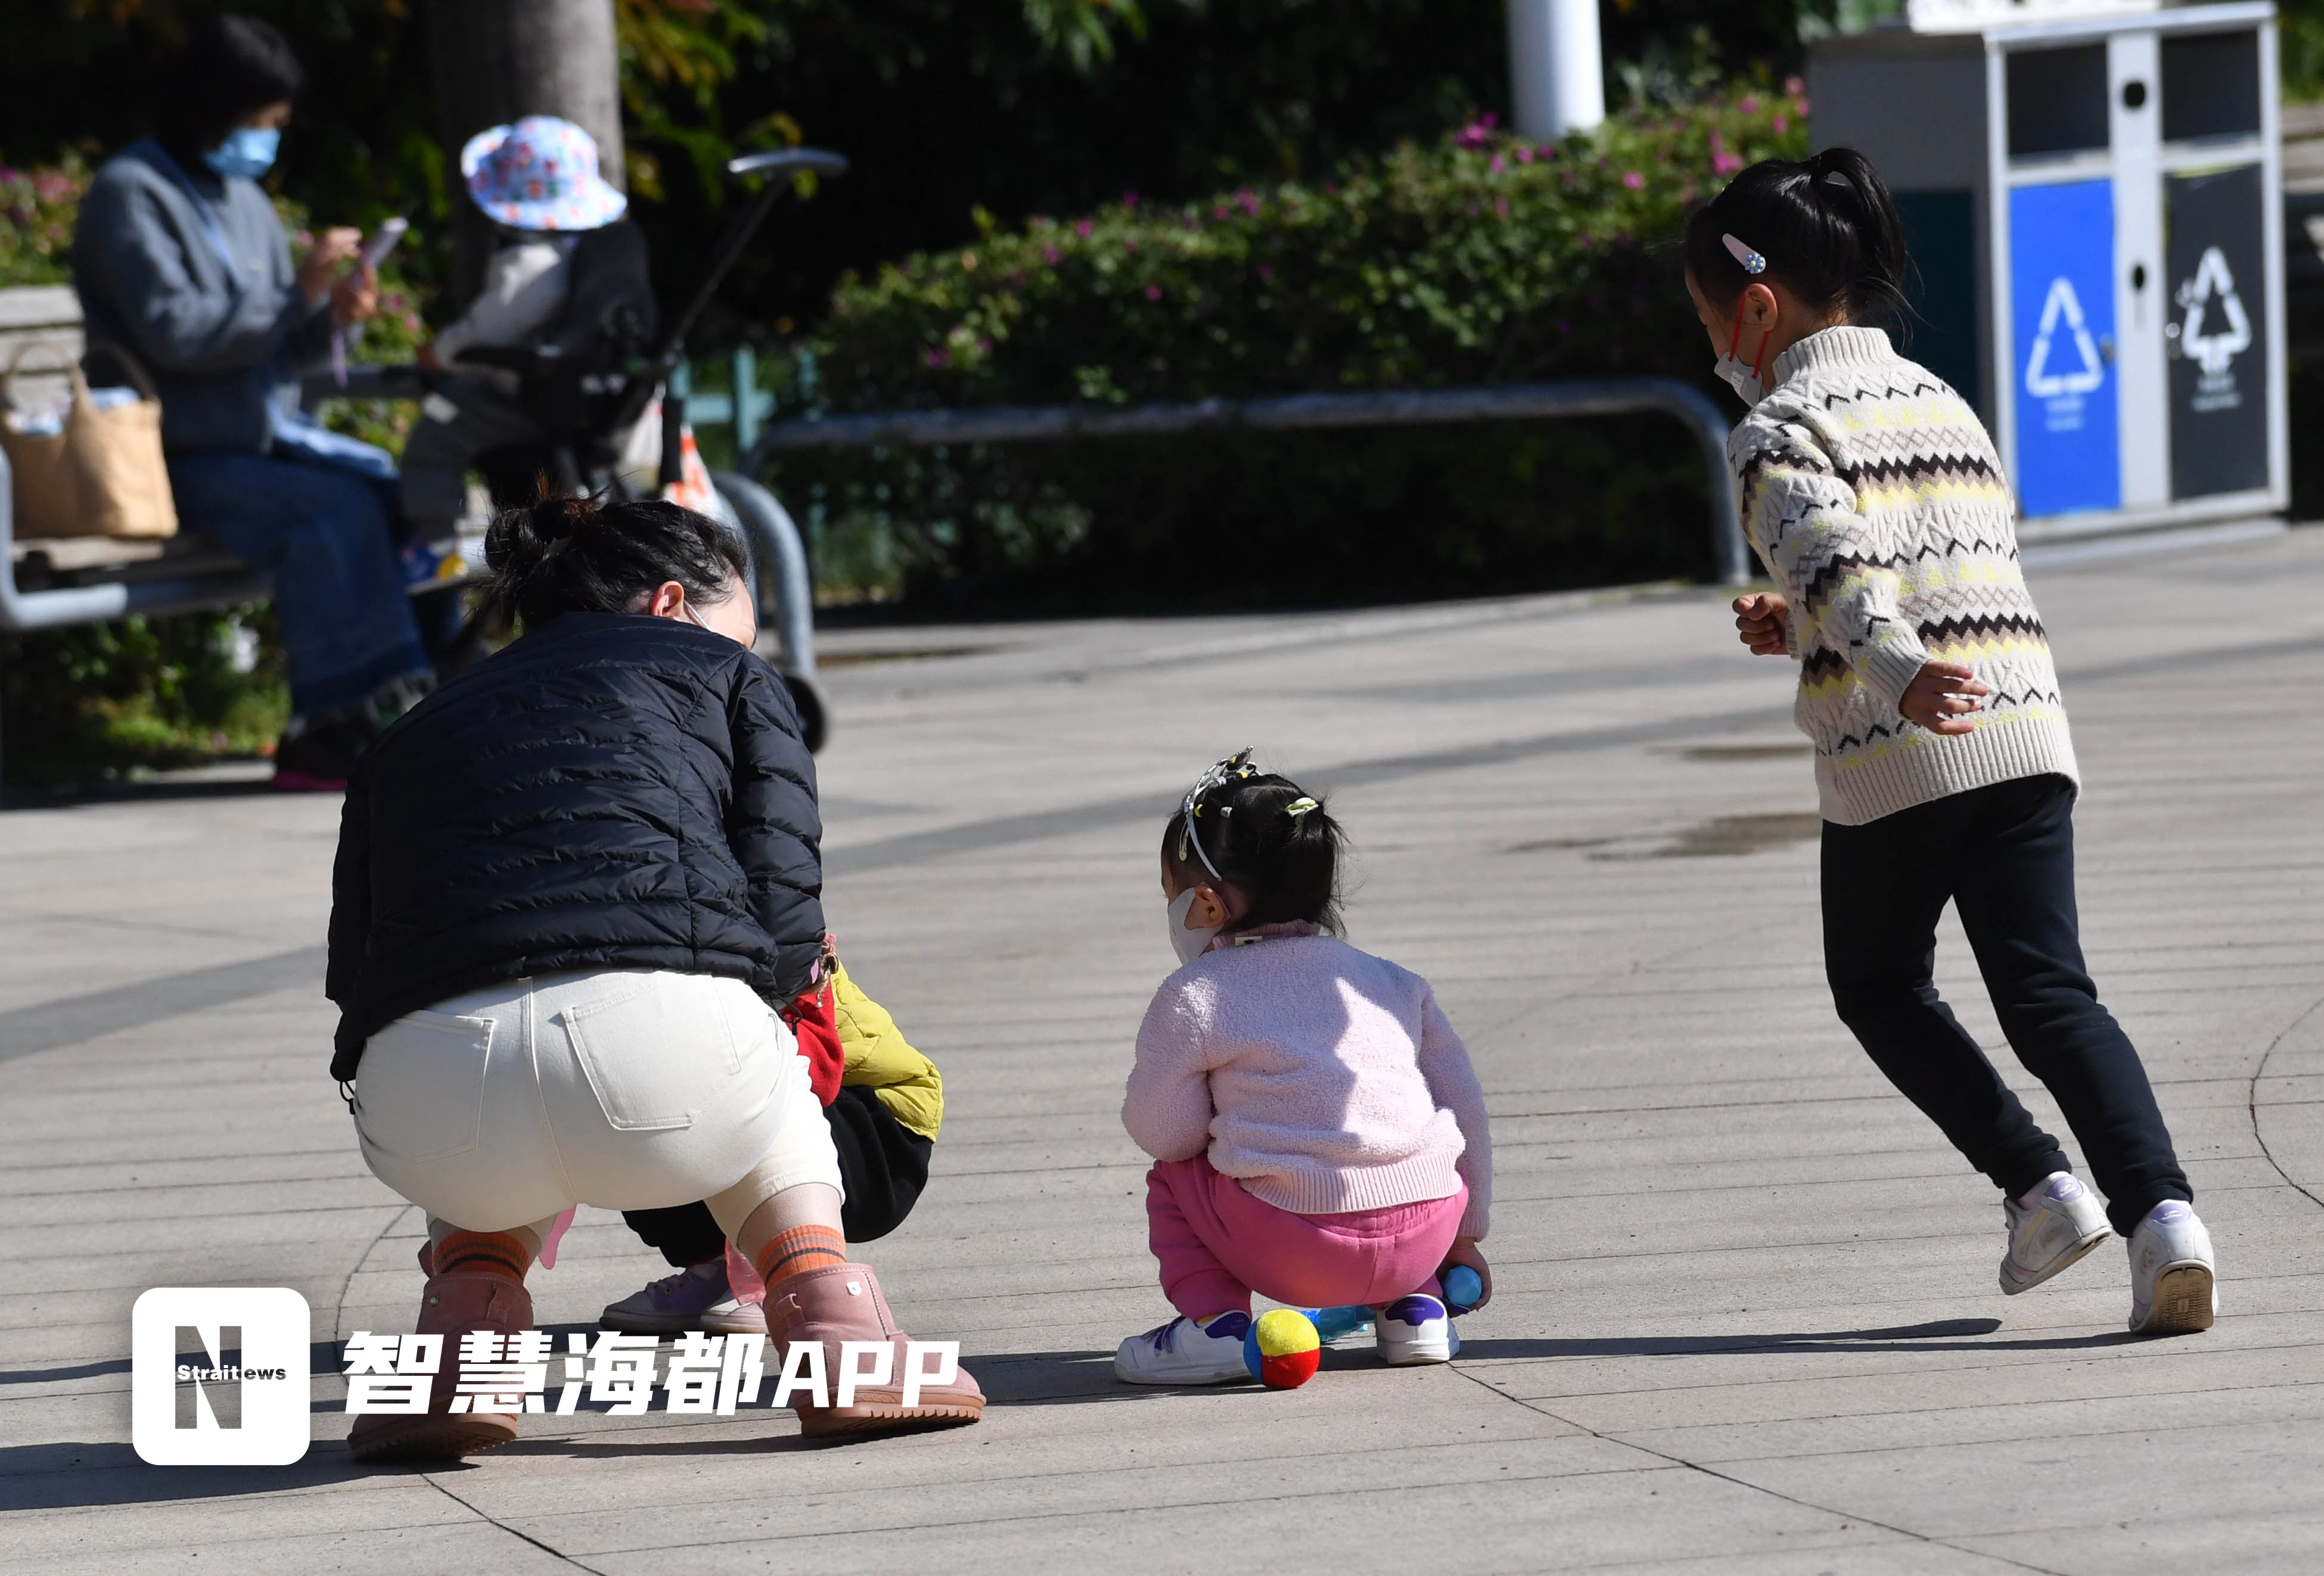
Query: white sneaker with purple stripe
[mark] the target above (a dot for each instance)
(1183, 1352)
(2056, 1223)
(1414, 1329)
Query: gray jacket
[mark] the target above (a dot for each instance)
(219, 343)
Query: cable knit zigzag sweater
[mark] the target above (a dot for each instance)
(1875, 499)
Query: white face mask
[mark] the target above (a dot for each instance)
(1189, 944)
(1743, 376)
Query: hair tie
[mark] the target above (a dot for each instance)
(1298, 810)
(1751, 261)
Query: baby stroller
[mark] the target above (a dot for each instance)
(598, 387)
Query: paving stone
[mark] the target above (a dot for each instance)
(1746, 1320)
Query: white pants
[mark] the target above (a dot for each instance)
(624, 1089)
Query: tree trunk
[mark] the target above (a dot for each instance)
(498, 60)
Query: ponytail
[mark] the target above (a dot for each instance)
(1826, 227)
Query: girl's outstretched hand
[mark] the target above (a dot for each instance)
(1465, 1251)
(1759, 620)
(1941, 697)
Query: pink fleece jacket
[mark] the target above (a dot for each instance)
(1321, 1078)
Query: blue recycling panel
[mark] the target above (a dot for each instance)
(2062, 306)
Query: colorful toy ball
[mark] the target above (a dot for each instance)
(1464, 1288)
(1281, 1348)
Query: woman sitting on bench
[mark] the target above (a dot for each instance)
(181, 259)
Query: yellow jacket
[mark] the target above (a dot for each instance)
(879, 1056)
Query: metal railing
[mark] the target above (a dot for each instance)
(1296, 412)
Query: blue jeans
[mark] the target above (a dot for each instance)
(325, 531)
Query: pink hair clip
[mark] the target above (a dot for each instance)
(1751, 261)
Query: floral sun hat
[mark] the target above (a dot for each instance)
(539, 174)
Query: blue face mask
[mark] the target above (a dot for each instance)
(247, 151)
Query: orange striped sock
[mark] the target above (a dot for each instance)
(799, 1251)
(499, 1253)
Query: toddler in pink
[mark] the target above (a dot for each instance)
(1318, 1135)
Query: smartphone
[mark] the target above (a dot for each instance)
(383, 240)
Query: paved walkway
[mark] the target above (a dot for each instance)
(1746, 1320)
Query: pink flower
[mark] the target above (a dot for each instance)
(1501, 206)
(1633, 180)
(1049, 254)
(1499, 164)
(1795, 86)
(1220, 211)
(1524, 154)
(1750, 105)
(1082, 229)
(937, 358)
(1265, 271)
(1782, 125)
(1727, 163)
(1153, 292)
(1129, 199)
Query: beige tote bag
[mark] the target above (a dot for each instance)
(104, 475)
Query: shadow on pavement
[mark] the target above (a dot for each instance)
(1943, 1335)
(74, 1476)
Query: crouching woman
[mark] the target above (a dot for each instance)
(571, 885)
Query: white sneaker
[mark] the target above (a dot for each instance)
(2056, 1223)
(1183, 1352)
(2173, 1278)
(1415, 1329)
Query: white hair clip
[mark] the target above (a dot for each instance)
(1233, 767)
(1751, 261)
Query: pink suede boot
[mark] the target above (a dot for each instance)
(481, 1289)
(844, 1303)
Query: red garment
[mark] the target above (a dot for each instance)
(814, 1018)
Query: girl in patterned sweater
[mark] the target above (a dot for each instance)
(1944, 764)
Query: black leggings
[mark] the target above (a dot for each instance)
(2004, 856)
(882, 1166)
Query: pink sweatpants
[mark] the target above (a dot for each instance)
(1217, 1245)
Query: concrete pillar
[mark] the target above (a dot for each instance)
(1556, 81)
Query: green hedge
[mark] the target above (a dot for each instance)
(1479, 259)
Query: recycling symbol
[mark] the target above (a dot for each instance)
(2212, 283)
(2040, 380)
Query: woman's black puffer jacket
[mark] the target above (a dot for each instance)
(612, 791)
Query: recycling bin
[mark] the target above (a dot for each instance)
(2093, 196)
